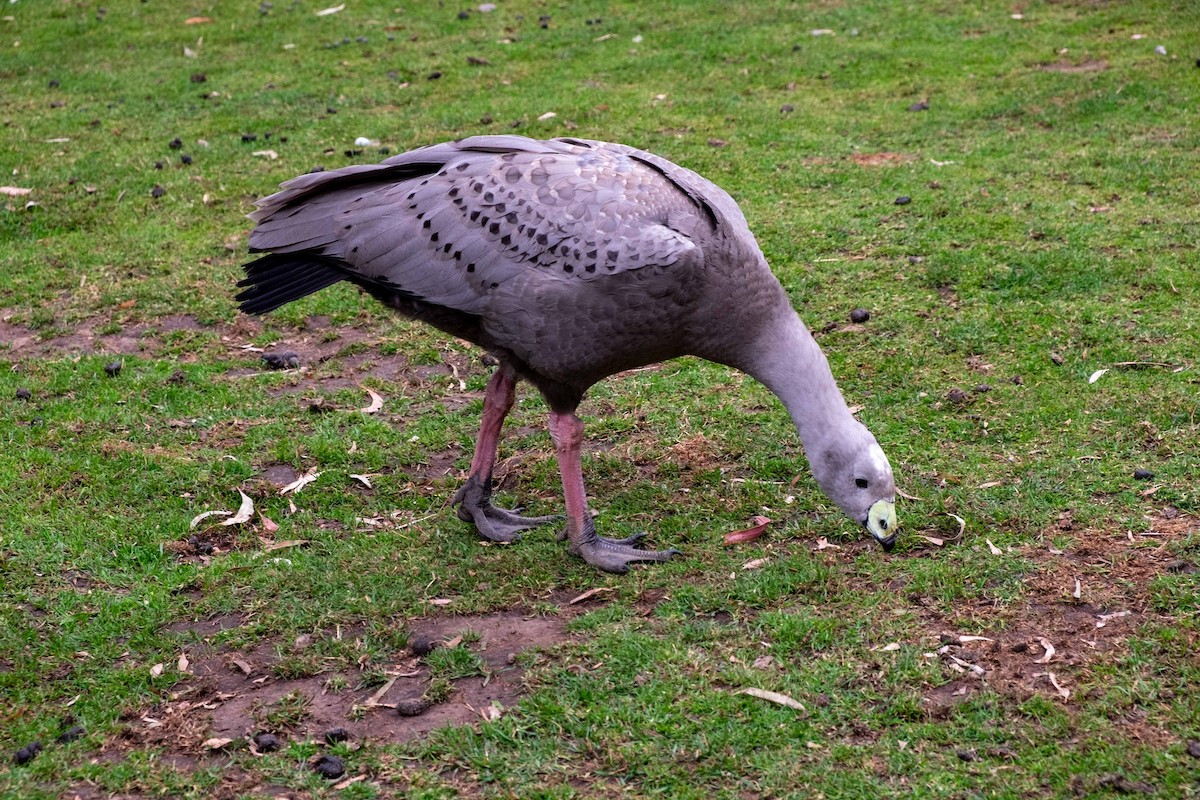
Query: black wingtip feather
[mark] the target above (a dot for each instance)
(279, 278)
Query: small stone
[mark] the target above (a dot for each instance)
(421, 646)
(1143, 475)
(956, 395)
(1193, 748)
(330, 767)
(412, 706)
(903, 200)
(158, 191)
(267, 742)
(26, 753)
(23, 393)
(967, 755)
(335, 735)
(786, 108)
(71, 734)
(113, 368)
(1057, 359)
(859, 315)
(284, 360)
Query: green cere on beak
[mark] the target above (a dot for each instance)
(881, 523)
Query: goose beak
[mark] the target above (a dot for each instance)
(881, 523)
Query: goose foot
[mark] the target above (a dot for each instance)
(615, 555)
(474, 501)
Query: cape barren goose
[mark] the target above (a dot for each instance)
(569, 260)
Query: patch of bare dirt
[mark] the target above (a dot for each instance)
(880, 159)
(1090, 65)
(1083, 606)
(230, 694)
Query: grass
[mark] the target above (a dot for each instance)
(1050, 234)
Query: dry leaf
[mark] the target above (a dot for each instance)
(932, 539)
(1078, 593)
(270, 155)
(244, 512)
(284, 544)
(301, 482)
(546, 116)
(269, 525)
(14, 191)
(773, 697)
(325, 12)
(216, 743)
(905, 495)
(965, 638)
(440, 601)
(365, 480)
(156, 670)
(975, 668)
(349, 782)
(756, 563)
(1063, 692)
(962, 523)
(891, 647)
(749, 534)
(590, 593)
(990, 484)
(453, 643)
(196, 520)
(242, 665)
(823, 544)
(376, 402)
(1095, 376)
(996, 551)
(183, 663)
(1102, 619)
(197, 20)
(492, 712)
(1049, 654)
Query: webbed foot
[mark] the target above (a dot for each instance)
(474, 501)
(615, 555)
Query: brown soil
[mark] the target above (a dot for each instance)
(230, 693)
(1114, 572)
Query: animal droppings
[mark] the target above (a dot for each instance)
(285, 360)
(335, 735)
(71, 734)
(1143, 475)
(330, 767)
(113, 368)
(267, 742)
(26, 753)
(860, 315)
(23, 393)
(412, 706)
(903, 200)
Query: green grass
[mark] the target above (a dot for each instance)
(1051, 233)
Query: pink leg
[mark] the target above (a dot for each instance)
(611, 555)
(498, 400)
(474, 498)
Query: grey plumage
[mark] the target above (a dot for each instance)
(570, 260)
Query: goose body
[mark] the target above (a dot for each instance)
(569, 260)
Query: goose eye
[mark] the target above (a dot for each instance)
(861, 483)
